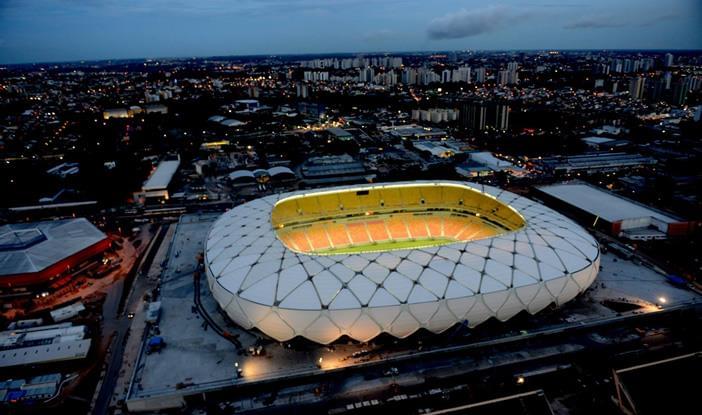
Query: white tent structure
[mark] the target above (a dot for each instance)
(265, 278)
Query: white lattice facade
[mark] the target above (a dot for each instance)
(262, 282)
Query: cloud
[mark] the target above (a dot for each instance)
(474, 22)
(608, 22)
(595, 22)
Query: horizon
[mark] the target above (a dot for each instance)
(58, 31)
(357, 53)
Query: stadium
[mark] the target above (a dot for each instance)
(36, 253)
(362, 260)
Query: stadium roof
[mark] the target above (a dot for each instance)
(32, 247)
(602, 203)
(260, 282)
(160, 179)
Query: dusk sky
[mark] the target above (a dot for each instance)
(67, 30)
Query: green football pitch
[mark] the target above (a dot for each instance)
(387, 246)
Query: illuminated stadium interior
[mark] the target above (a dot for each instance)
(374, 219)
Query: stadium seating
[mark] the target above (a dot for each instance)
(330, 221)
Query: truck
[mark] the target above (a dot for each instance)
(155, 344)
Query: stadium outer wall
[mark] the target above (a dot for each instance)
(550, 260)
(56, 269)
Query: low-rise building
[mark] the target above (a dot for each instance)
(157, 186)
(44, 344)
(613, 213)
(599, 162)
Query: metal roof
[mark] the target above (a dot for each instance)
(240, 174)
(274, 171)
(604, 204)
(160, 179)
(59, 239)
(339, 132)
(261, 283)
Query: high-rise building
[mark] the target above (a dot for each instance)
(628, 66)
(445, 76)
(503, 77)
(315, 76)
(647, 64)
(480, 75)
(695, 83)
(680, 90)
(668, 60)
(498, 116)
(637, 65)
(477, 115)
(636, 87)
(513, 77)
(427, 76)
(301, 90)
(366, 75)
(616, 66)
(409, 76)
(389, 78)
(473, 115)
(600, 69)
(461, 74)
(668, 77)
(656, 90)
(513, 73)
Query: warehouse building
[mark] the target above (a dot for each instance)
(613, 213)
(326, 170)
(157, 186)
(44, 344)
(598, 162)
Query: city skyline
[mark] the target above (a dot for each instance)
(64, 30)
(350, 207)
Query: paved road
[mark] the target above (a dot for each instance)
(113, 366)
(122, 324)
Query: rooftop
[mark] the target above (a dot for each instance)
(50, 242)
(607, 205)
(339, 132)
(162, 176)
